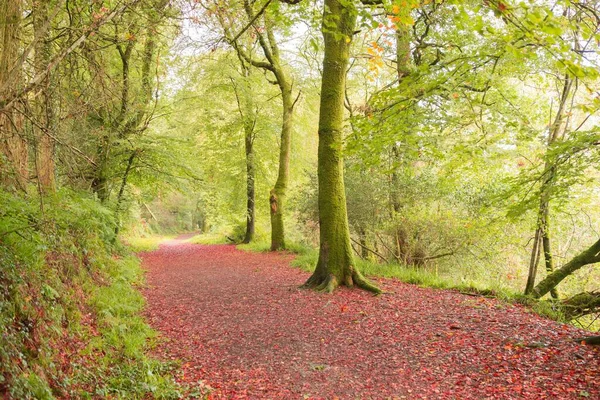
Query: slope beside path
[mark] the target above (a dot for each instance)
(239, 322)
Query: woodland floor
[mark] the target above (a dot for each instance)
(239, 322)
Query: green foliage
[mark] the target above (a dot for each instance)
(60, 284)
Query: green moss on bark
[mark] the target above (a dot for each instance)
(335, 265)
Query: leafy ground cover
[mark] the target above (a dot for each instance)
(240, 324)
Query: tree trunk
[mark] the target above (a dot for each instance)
(12, 142)
(248, 115)
(402, 69)
(278, 193)
(546, 247)
(364, 250)
(589, 256)
(45, 114)
(542, 235)
(250, 193)
(402, 50)
(130, 161)
(533, 262)
(335, 265)
(268, 44)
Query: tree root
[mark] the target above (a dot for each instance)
(321, 284)
(581, 304)
(364, 283)
(590, 340)
(329, 283)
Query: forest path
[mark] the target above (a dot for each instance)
(238, 322)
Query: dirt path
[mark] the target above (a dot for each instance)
(238, 322)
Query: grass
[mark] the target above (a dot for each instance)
(125, 339)
(209, 238)
(140, 244)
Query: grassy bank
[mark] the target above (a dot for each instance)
(70, 306)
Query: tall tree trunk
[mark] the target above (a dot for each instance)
(247, 112)
(250, 192)
(533, 262)
(542, 233)
(12, 142)
(335, 265)
(403, 63)
(268, 44)
(278, 193)
(45, 114)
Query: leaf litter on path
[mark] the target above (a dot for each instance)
(239, 323)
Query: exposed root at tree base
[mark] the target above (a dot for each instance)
(329, 283)
(363, 283)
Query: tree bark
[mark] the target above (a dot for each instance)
(335, 265)
(13, 144)
(586, 257)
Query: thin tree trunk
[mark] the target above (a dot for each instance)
(335, 265)
(247, 112)
(250, 192)
(543, 228)
(402, 70)
(45, 127)
(363, 243)
(548, 260)
(533, 262)
(268, 44)
(130, 161)
(13, 144)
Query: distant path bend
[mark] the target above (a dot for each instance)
(239, 323)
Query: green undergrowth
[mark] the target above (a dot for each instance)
(264, 246)
(150, 243)
(209, 238)
(70, 306)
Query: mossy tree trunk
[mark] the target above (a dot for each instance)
(278, 193)
(586, 257)
(335, 265)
